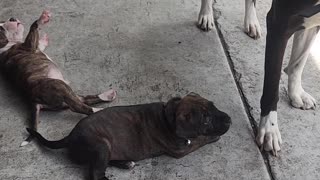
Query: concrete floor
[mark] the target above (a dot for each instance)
(151, 51)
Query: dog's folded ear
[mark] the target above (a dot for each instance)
(170, 111)
(3, 38)
(193, 94)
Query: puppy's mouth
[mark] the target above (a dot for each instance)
(211, 139)
(214, 138)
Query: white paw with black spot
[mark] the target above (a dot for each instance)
(269, 137)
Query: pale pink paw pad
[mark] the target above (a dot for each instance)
(109, 95)
(45, 17)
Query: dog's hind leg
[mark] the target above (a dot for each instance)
(251, 23)
(34, 122)
(32, 40)
(75, 104)
(99, 162)
(302, 44)
(43, 42)
(107, 96)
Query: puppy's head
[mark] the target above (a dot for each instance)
(10, 31)
(194, 116)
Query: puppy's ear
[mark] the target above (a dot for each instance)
(185, 126)
(193, 94)
(170, 111)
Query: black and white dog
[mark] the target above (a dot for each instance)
(285, 18)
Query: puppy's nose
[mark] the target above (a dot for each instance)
(12, 19)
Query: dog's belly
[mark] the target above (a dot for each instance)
(25, 67)
(55, 73)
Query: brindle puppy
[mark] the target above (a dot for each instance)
(120, 135)
(34, 73)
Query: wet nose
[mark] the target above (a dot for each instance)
(12, 19)
(225, 118)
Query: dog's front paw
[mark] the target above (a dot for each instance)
(45, 17)
(251, 23)
(205, 19)
(269, 137)
(303, 100)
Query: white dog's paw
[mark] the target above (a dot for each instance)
(303, 100)
(44, 18)
(96, 109)
(269, 137)
(109, 95)
(251, 23)
(205, 19)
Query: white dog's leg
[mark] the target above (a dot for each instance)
(269, 137)
(43, 42)
(302, 44)
(251, 23)
(205, 19)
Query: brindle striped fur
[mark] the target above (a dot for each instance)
(27, 67)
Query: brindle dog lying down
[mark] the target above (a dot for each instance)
(117, 136)
(26, 65)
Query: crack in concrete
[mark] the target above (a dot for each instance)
(237, 76)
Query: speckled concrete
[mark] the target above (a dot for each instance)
(148, 51)
(300, 130)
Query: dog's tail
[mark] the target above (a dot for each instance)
(50, 144)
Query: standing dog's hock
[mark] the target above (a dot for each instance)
(36, 75)
(120, 135)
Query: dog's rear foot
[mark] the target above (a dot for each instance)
(108, 95)
(44, 18)
(302, 100)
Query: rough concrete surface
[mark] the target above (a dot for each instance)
(300, 154)
(151, 51)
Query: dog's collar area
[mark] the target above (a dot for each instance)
(188, 142)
